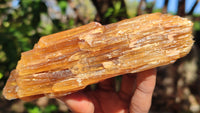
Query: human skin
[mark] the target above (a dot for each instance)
(135, 95)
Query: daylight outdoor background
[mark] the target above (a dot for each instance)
(23, 22)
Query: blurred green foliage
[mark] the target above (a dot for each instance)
(31, 108)
(63, 5)
(113, 13)
(197, 25)
(21, 27)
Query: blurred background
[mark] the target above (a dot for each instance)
(23, 22)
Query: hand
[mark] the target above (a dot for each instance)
(134, 96)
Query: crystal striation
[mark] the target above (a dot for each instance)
(68, 61)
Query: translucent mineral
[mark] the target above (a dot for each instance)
(68, 61)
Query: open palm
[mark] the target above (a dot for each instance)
(134, 96)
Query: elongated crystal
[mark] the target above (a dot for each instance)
(68, 61)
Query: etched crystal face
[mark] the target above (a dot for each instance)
(68, 61)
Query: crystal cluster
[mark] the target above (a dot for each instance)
(68, 61)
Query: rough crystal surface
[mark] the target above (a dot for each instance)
(68, 61)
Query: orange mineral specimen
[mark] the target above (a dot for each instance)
(68, 61)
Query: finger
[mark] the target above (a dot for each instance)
(141, 100)
(128, 85)
(78, 103)
(108, 84)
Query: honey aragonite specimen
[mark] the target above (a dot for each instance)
(68, 61)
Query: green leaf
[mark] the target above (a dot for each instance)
(63, 5)
(25, 43)
(197, 25)
(1, 75)
(6, 24)
(109, 12)
(31, 108)
(117, 7)
(71, 23)
(50, 109)
(34, 110)
(18, 34)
